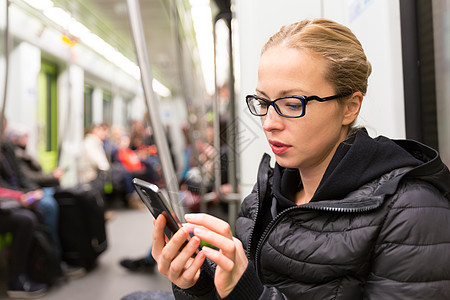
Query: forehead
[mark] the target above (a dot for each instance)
(286, 68)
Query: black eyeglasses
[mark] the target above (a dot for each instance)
(289, 107)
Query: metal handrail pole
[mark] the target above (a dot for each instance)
(233, 198)
(151, 100)
(216, 120)
(181, 71)
(7, 50)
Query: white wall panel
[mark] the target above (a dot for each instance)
(377, 26)
(97, 105)
(70, 122)
(22, 98)
(258, 20)
(375, 22)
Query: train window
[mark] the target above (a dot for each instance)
(107, 107)
(48, 116)
(87, 115)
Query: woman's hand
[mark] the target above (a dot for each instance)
(176, 263)
(230, 258)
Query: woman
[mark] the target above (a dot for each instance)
(341, 215)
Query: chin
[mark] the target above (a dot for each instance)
(285, 163)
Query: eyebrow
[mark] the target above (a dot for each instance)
(284, 93)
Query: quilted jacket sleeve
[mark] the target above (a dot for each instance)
(412, 256)
(249, 286)
(203, 289)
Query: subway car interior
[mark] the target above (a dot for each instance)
(161, 85)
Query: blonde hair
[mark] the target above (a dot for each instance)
(348, 67)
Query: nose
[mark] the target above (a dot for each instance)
(272, 121)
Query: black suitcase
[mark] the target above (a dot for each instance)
(81, 225)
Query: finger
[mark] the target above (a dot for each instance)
(212, 223)
(223, 243)
(221, 260)
(172, 249)
(180, 262)
(190, 227)
(158, 236)
(193, 271)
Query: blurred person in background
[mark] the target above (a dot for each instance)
(30, 166)
(125, 165)
(12, 177)
(20, 222)
(93, 161)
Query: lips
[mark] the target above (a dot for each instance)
(278, 147)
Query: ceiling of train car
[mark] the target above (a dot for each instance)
(158, 29)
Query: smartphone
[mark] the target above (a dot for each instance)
(157, 204)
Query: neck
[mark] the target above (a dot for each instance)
(310, 184)
(312, 176)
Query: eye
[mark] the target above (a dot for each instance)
(259, 103)
(292, 105)
(262, 104)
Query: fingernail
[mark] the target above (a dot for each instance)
(206, 249)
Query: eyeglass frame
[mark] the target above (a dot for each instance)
(303, 99)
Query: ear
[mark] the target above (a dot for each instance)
(351, 108)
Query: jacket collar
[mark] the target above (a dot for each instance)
(362, 173)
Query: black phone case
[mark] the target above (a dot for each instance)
(157, 204)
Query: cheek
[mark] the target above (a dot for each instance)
(328, 114)
(319, 128)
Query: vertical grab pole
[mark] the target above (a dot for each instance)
(181, 71)
(233, 198)
(7, 50)
(151, 101)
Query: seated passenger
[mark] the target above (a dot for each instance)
(93, 157)
(11, 177)
(20, 222)
(29, 165)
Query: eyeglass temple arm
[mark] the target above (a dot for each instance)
(317, 98)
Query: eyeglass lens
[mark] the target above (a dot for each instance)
(291, 107)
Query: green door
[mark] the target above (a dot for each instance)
(48, 116)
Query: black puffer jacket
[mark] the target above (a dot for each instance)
(378, 227)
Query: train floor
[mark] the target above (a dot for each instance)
(129, 235)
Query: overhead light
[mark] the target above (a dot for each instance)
(93, 41)
(106, 50)
(39, 4)
(199, 2)
(59, 16)
(160, 88)
(77, 29)
(202, 20)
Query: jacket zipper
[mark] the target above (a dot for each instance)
(253, 227)
(278, 218)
